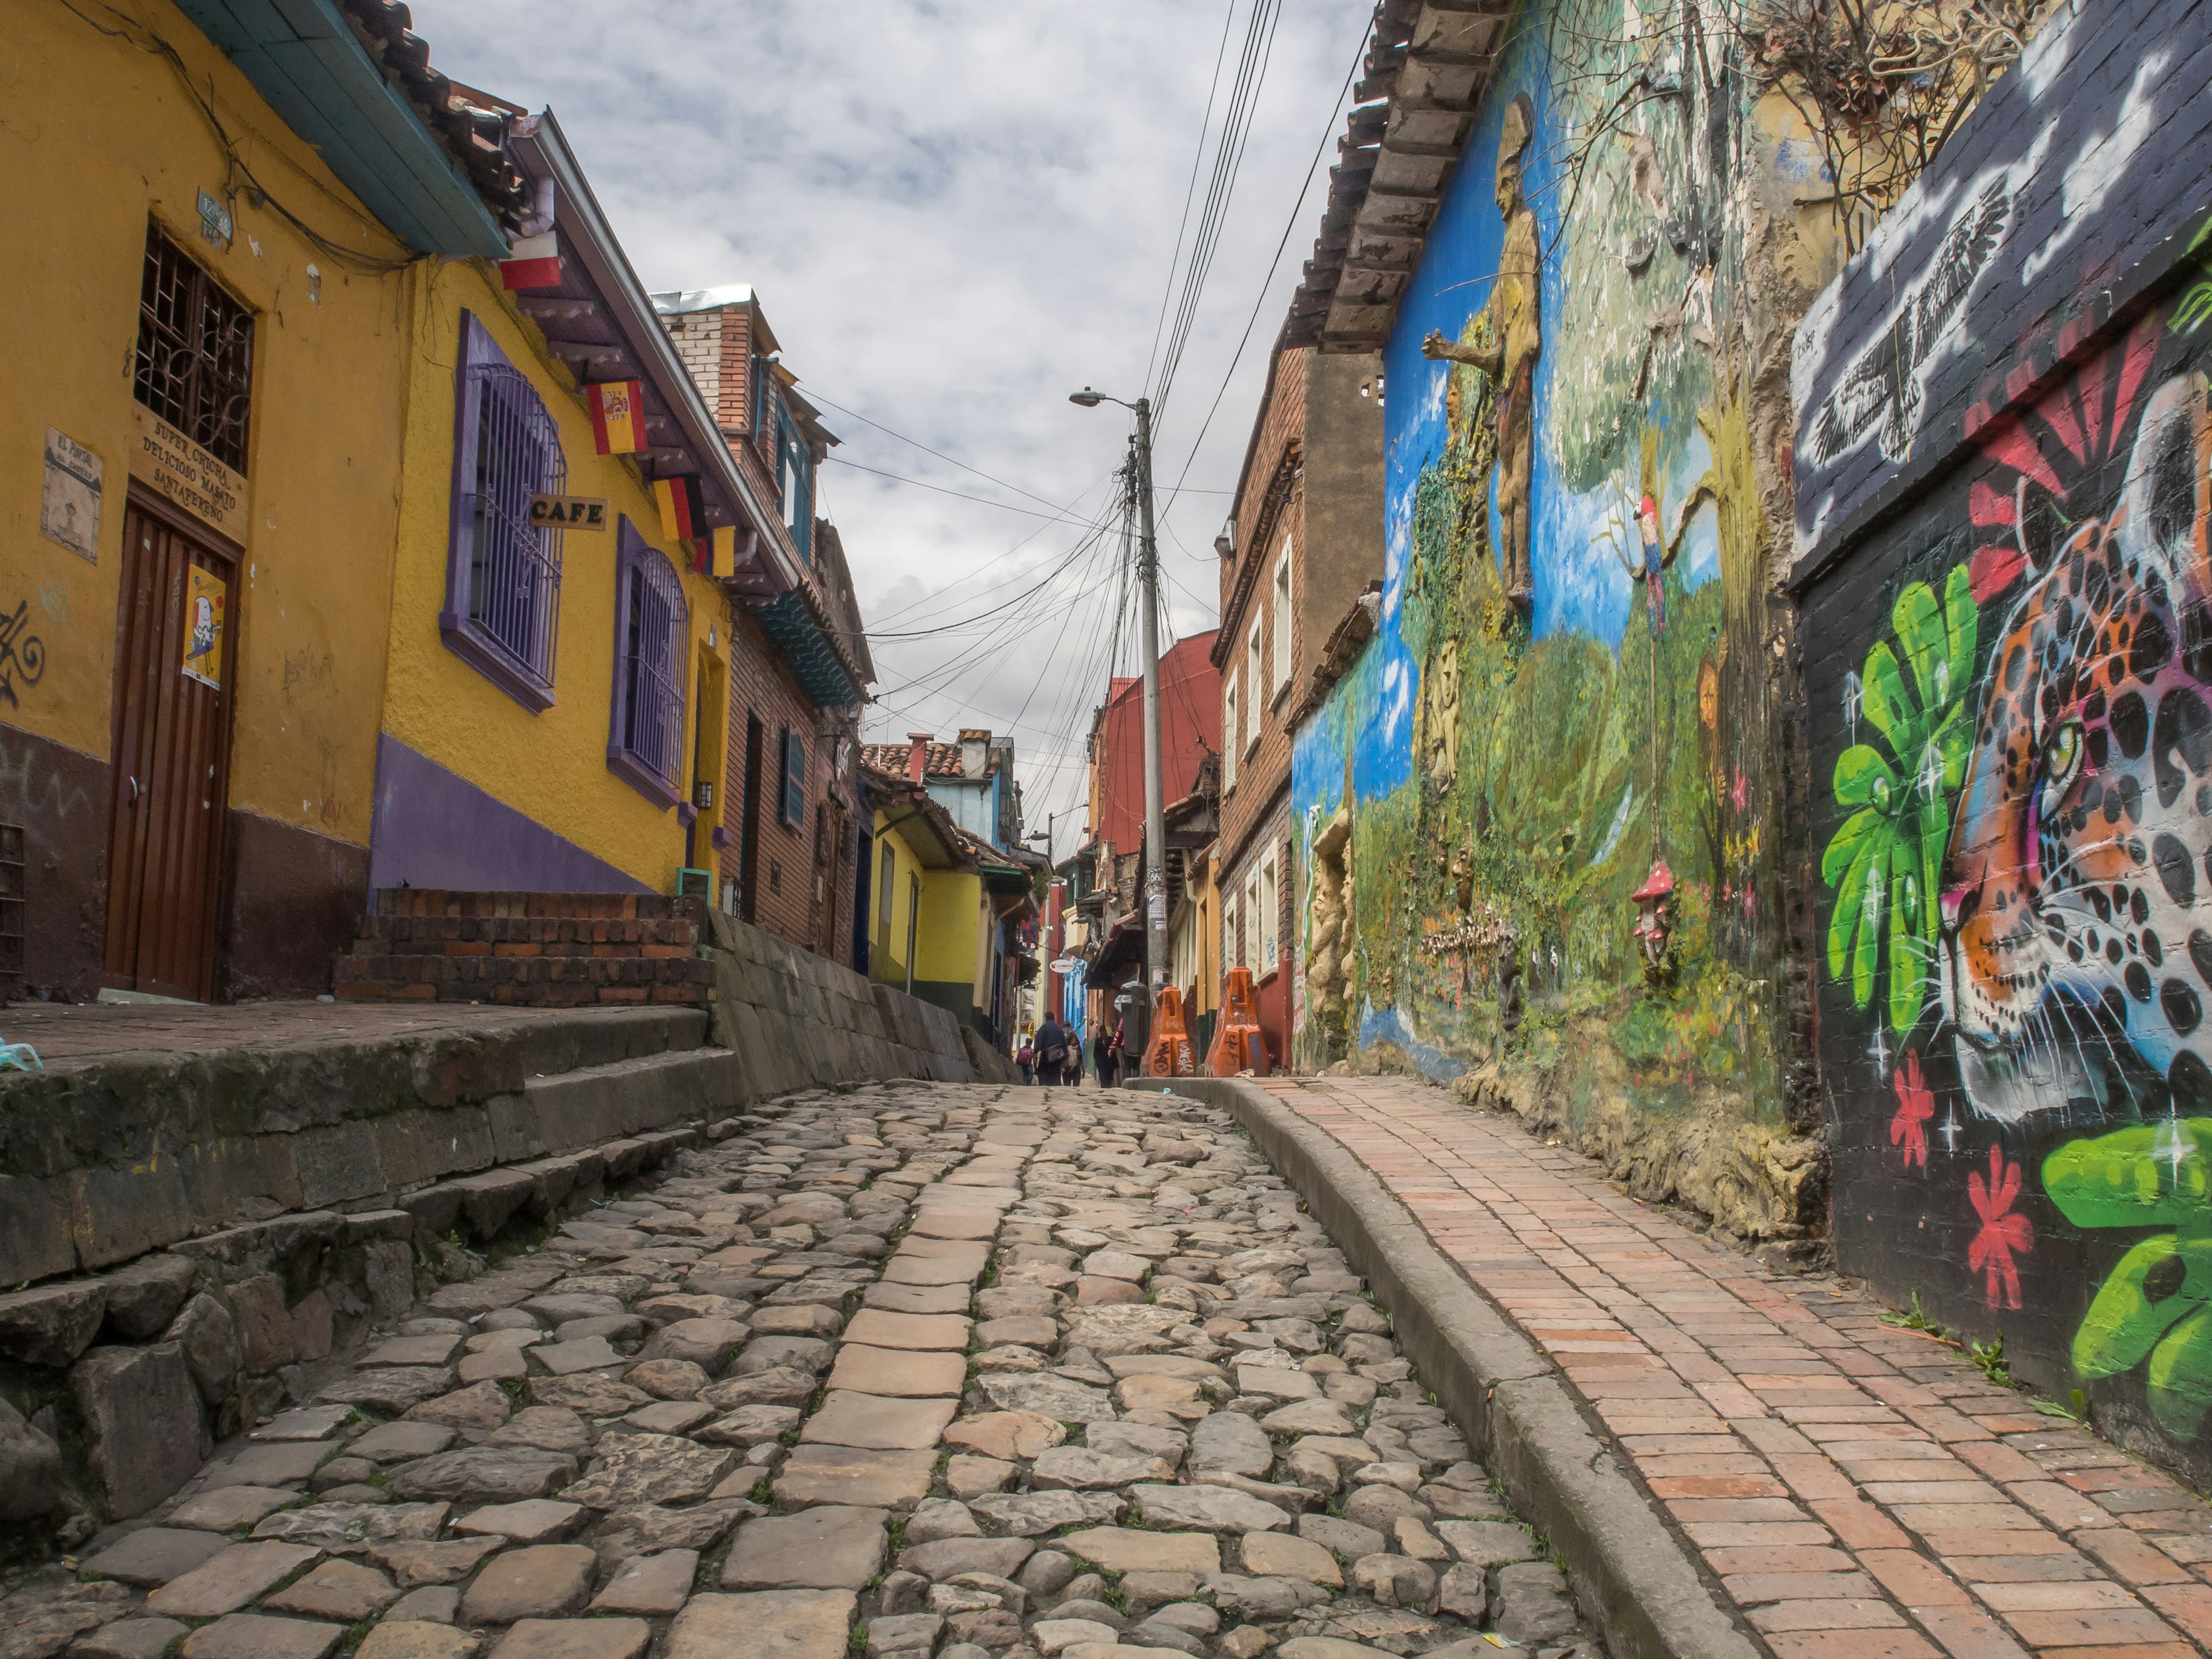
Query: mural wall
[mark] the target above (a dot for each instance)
(1562, 885)
(2004, 484)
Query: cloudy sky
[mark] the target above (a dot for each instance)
(955, 213)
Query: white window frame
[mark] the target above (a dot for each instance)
(1256, 677)
(1282, 620)
(1247, 954)
(1232, 734)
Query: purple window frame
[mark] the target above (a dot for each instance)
(653, 650)
(470, 623)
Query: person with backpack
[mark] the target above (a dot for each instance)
(1052, 1051)
(1025, 1057)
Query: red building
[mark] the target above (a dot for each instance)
(1111, 862)
(1190, 730)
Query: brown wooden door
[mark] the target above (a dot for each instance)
(176, 627)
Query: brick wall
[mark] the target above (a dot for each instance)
(1263, 770)
(535, 950)
(761, 687)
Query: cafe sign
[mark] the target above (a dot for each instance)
(569, 512)
(186, 475)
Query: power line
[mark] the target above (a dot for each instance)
(1298, 210)
(1003, 506)
(925, 449)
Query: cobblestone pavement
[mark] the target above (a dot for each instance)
(910, 1370)
(1859, 1489)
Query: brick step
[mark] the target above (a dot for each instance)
(535, 950)
(403, 936)
(436, 902)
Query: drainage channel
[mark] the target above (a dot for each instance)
(908, 1371)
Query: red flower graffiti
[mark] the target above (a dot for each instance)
(1915, 1104)
(2003, 1232)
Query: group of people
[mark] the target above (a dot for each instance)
(1054, 1054)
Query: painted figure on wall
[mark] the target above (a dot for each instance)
(1508, 337)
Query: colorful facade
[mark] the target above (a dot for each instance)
(519, 611)
(202, 537)
(1568, 693)
(2003, 552)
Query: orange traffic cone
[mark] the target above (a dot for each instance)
(1170, 1053)
(1237, 1045)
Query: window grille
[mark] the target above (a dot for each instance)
(647, 742)
(514, 566)
(503, 573)
(194, 366)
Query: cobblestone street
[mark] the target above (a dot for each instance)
(905, 1370)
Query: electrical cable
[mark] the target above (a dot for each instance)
(1003, 506)
(1298, 212)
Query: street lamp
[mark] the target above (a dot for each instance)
(1148, 568)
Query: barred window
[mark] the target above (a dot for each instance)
(503, 573)
(194, 366)
(644, 741)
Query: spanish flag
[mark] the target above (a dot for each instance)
(617, 416)
(535, 263)
(683, 508)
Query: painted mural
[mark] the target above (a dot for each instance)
(1538, 817)
(2011, 728)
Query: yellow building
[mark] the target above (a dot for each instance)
(556, 714)
(945, 908)
(207, 414)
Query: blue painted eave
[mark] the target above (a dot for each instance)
(305, 60)
(788, 623)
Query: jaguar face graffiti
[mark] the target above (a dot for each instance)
(2075, 952)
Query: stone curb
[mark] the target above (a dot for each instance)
(1635, 1579)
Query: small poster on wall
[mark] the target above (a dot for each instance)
(204, 593)
(69, 504)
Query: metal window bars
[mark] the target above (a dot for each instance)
(194, 364)
(655, 628)
(514, 566)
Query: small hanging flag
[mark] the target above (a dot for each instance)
(536, 262)
(721, 550)
(617, 416)
(683, 508)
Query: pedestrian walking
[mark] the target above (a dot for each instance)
(1106, 1055)
(1025, 1057)
(1052, 1051)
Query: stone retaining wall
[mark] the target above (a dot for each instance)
(800, 1021)
(102, 1163)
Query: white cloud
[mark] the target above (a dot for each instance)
(954, 213)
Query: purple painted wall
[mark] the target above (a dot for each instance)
(435, 829)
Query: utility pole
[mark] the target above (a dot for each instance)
(1156, 835)
(1148, 572)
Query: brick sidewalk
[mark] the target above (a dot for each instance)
(1860, 1491)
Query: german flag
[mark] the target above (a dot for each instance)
(683, 508)
(617, 416)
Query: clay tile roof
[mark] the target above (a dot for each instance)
(942, 759)
(470, 125)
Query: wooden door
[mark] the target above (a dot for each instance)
(175, 631)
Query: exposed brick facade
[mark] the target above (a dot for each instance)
(802, 884)
(1302, 488)
(762, 689)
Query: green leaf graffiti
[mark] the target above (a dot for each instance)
(2157, 1303)
(1888, 856)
